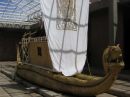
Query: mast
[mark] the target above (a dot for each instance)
(113, 20)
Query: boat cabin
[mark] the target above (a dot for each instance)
(36, 51)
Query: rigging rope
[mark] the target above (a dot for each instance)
(78, 37)
(64, 35)
(49, 24)
(89, 69)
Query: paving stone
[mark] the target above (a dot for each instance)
(9, 88)
(4, 83)
(127, 93)
(118, 92)
(20, 95)
(127, 84)
(35, 95)
(3, 93)
(123, 87)
(106, 95)
(3, 80)
(64, 96)
(14, 89)
(51, 93)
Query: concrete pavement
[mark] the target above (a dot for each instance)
(9, 88)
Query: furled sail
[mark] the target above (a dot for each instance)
(66, 25)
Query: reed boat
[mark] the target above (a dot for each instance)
(56, 61)
(78, 84)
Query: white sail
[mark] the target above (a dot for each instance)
(66, 25)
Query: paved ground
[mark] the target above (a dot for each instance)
(9, 88)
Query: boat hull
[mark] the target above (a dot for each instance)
(69, 85)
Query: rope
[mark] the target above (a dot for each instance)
(64, 35)
(89, 69)
(49, 24)
(78, 37)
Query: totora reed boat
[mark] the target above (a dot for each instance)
(56, 61)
